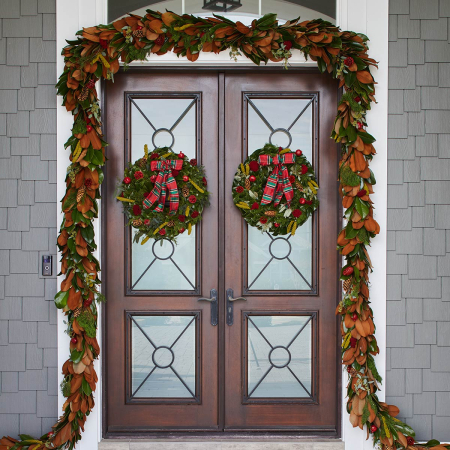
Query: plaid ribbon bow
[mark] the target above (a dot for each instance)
(164, 182)
(278, 182)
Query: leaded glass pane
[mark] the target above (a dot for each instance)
(163, 265)
(152, 117)
(163, 356)
(279, 350)
(295, 115)
(282, 262)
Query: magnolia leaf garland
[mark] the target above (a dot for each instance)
(276, 215)
(95, 55)
(141, 194)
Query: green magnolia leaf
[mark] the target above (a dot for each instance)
(88, 233)
(76, 356)
(86, 388)
(351, 133)
(350, 232)
(361, 207)
(61, 299)
(366, 138)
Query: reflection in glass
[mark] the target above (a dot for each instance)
(159, 122)
(279, 350)
(163, 356)
(163, 265)
(280, 263)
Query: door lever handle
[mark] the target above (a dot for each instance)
(214, 306)
(230, 300)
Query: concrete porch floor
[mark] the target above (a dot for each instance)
(222, 445)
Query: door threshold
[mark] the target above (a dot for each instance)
(231, 443)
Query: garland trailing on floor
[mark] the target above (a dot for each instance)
(95, 55)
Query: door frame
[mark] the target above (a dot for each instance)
(363, 16)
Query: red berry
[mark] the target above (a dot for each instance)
(139, 27)
(88, 128)
(181, 155)
(361, 193)
(309, 202)
(91, 84)
(302, 201)
(304, 169)
(239, 189)
(298, 152)
(349, 369)
(276, 225)
(373, 428)
(204, 181)
(153, 178)
(162, 232)
(185, 178)
(74, 340)
(181, 231)
(296, 213)
(287, 45)
(103, 44)
(254, 166)
(280, 149)
(291, 179)
(353, 342)
(88, 182)
(194, 214)
(349, 61)
(50, 434)
(147, 222)
(193, 162)
(255, 205)
(154, 156)
(88, 121)
(181, 217)
(360, 125)
(175, 172)
(357, 99)
(192, 199)
(263, 220)
(87, 303)
(127, 180)
(252, 178)
(159, 40)
(347, 271)
(410, 440)
(354, 317)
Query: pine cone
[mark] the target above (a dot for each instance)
(143, 162)
(299, 186)
(83, 94)
(347, 285)
(170, 223)
(137, 223)
(77, 312)
(80, 193)
(138, 33)
(247, 184)
(270, 213)
(185, 191)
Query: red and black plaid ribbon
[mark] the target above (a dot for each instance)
(164, 182)
(278, 182)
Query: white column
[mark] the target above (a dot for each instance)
(371, 18)
(71, 16)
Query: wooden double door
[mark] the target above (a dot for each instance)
(229, 329)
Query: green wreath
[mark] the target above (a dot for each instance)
(275, 190)
(163, 194)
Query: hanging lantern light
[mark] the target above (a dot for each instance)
(221, 5)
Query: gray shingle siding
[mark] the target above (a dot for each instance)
(28, 378)
(418, 260)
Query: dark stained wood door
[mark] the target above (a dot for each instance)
(271, 363)
(280, 352)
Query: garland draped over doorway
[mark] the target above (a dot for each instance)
(95, 55)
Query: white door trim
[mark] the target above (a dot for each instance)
(364, 16)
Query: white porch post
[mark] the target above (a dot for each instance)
(365, 16)
(71, 16)
(371, 18)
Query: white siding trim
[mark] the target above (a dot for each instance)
(363, 16)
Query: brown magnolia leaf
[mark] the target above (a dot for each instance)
(364, 77)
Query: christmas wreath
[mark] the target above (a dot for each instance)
(275, 190)
(163, 194)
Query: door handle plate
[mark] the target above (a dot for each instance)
(214, 306)
(230, 301)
